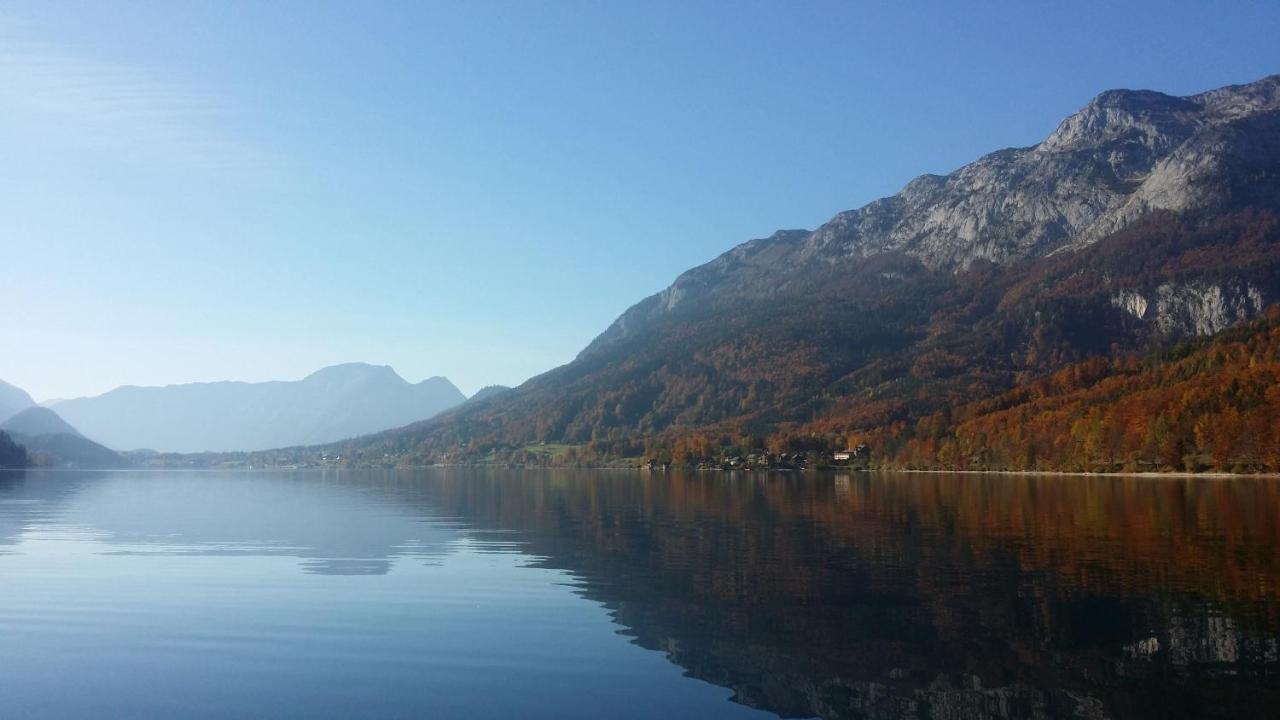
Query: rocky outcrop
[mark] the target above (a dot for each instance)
(1192, 309)
(1202, 309)
(1131, 302)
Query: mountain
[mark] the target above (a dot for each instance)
(1143, 219)
(38, 421)
(335, 402)
(51, 442)
(13, 400)
(74, 451)
(1125, 155)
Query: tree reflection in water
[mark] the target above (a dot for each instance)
(923, 595)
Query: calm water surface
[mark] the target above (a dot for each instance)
(467, 593)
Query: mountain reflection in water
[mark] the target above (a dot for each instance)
(928, 595)
(839, 596)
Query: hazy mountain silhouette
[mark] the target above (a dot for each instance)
(38, 421)
(336, 402)
(13, 400)
(52, 442)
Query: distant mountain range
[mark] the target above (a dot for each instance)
(49, 441)
(1144, 219)
(336, 402)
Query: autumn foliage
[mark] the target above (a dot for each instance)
(1210, 407)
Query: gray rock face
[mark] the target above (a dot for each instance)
(1200, 309)
(1193, 309)
(1126, 154)
(1131, 302)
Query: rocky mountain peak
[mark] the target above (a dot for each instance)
(1152, 119)
(1240, 100)
(1126, 154)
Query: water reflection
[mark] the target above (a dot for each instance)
(29, 500)
(857, 596)
(335, 525)
(927, 595)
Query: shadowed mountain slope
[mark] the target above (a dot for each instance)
(51, 442)
(12, 455)
(38, 421)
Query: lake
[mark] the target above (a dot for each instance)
(474, 593)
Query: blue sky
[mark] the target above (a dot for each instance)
(203, 191)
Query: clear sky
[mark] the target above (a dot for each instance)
(253, 190)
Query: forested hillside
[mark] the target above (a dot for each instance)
(1213, 406)
(1207, 405)
(12, 455)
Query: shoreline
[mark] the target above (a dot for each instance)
(1180, 475)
